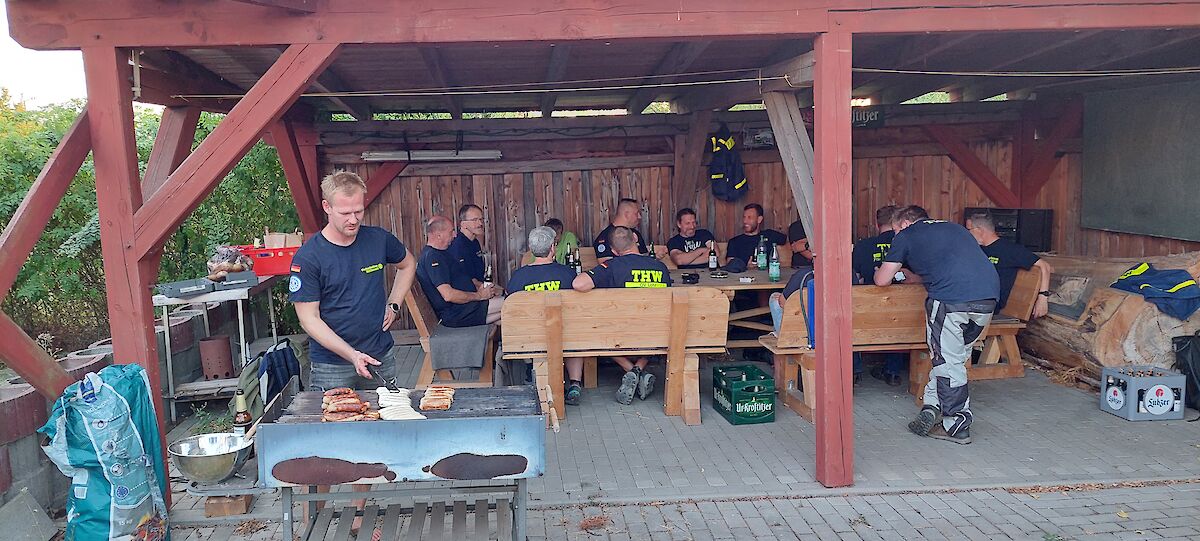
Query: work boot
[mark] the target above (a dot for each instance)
(629, 383)
(924, 422)
(574, 393)
(645, 385)
(962, 437)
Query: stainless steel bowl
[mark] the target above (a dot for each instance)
(211, 458)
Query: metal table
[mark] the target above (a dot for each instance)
(733, 284)
(489, 443)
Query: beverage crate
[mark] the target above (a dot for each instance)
(743, 394)
(270, 261)
(1142, 393)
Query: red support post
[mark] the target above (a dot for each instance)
(199, 174)
(30, 361)
(1045, 158)
(975, 169)
(284, 138)
(382, 178)
(835, 400)
(36, 209)
(127, 278)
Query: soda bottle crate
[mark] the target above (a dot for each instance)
(743, 394)
(1142, 393)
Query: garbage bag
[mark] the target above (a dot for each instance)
(103, 434)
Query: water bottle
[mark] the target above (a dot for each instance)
(773, 267)
(761, 259)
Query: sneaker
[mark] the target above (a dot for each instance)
(629, 383)
(574, 393)
(645, 385)
(961, 437)
(924, 421)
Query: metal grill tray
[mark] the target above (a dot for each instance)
(468, 402)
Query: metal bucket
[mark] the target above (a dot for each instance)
(216, 357)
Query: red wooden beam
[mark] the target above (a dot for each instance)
(127, 280)
(30, 361)
(441, 79)
(1042, 163)
(284, 140)
(382, 177)
(172, 144)
(295, 6)
(36, 209)
(975, 169)
(68, 24)
(835, 397)
(229, 142)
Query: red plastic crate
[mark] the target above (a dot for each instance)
(270, 261)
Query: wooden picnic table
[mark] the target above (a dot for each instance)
(733, 284)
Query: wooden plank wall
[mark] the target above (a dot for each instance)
(584, 200)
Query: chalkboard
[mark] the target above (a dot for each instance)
(1141, 161)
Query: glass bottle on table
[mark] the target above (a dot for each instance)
(773, 266)
(712, 256)
(242, 419)
(761, 258)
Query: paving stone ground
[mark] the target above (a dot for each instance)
(1028, 431)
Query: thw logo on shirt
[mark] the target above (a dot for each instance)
(552, 285)
(646, 278)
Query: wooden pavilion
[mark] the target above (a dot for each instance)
(325, 81)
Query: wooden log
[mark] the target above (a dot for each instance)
(1115, 327)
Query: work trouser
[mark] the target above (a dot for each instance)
(950, 330)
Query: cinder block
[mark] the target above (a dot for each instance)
(5, 471)
(25, 456)
(23, 411)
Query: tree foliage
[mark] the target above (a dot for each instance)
(60, 290)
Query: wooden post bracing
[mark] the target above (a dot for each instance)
(975, 169)
(172, 144)
(307, 203)
(127, 278)
(835, 401)
(379, 181)
(796, 151)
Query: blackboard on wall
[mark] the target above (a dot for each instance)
(1141, 161)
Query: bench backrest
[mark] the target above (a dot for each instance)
(608, 319)
(1024, 295)
(881, 316)
(424, 318)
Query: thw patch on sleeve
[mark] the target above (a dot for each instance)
(294, 284)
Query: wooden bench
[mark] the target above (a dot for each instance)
(426, 321)
(681, 323)
(1001, 357)
(885, 319)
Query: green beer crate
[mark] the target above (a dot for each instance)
(743, 394)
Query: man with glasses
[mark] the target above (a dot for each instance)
(466, 248)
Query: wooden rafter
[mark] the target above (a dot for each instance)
(796, 151)
(379, 181)
(167, 73)
(676, 60)
(798, 72)
(1044, 157)
(283, 137)
(975, 169)
(441, 78)
(556, 69)
(225, 146)
(912, 52)
(330, 82)
(294, 6)
(172, 144)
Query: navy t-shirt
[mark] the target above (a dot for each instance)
(1008, 256)
(631, 270)
(948, 259)
(868, 254)
(687, 244)
(742, 246)
(546, 277)
(467, 252)
(437, 267)
(604, 248)
(348, 282)
(795, 233)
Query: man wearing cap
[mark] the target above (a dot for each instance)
(546, 274)
(627, 269)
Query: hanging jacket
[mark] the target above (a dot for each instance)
(725, 171)
(1173, 291)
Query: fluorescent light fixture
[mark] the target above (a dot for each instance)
(430, 155)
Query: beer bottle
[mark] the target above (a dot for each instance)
(241, 419)
(712, 257)
(487, 274)
(773, 266)
(578, 262)
(567, 259)
(761, 258)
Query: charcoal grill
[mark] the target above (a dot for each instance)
(488, 443)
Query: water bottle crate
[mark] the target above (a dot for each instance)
(1142, 393)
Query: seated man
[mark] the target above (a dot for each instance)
(868, 254)
(563, 240)
(689, 249)
(775, 303)
(628, 215)
(742, 246)
(544, 274)
(455, 298)
(801, 251)
(1009, 256)
(627, 269)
